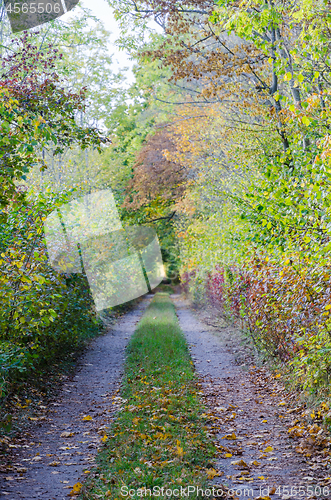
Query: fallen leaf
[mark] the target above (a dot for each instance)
(179, 450)
(87, 417)
(211, 473)
(228, 455)
(230, 436)
(66, 434)
(76, 489)
(268, 449)
(241, 463)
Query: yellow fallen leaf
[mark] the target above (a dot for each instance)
(261, 477)
(87, 471)
(230, 436)
(228, 455)
(179, 449)
(87, 417)
(282, 403)
(278, 375)
(255, 462)
(104, 439)
(242, 463)
(264, 421)
(211, 473)
(268, 449)
(76, 489)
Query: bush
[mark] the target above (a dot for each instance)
(43, 314)
(286, 308)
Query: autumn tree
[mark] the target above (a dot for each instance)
(156, 180)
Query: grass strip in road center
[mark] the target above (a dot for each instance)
(159, 438)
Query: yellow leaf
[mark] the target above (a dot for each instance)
(228, 455)
(268, 449)
(104, 439)
(76, 489)
(328, 307)
(211, 473)
(287, 76)
(87, 417)
(305, 120)
(240, 463)
(179, 449)
(230, 436)
(261, 477)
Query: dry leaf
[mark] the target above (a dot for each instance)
(76, 489)
(66, 434)
(87, 417)
(230, 436)
(211, 473)
(179, 450)
(241, 463)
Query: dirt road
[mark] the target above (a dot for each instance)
(248, 411)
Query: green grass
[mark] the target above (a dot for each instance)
(165, 289)
(159, 439)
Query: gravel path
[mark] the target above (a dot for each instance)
(250, 413)
(63, 444)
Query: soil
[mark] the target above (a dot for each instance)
(247, 410)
